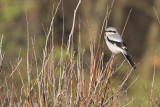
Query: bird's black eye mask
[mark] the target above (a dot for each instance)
(111, 31)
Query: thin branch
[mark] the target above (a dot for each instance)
(119, 66)
(50, 28)
(131, 84)
(71, 33)
(109, 10)
(1, 56)
(154, 73)
(94, 92)
(11, 73)
(156, 15)
(126, 22)
(129, 102)
(27, 57)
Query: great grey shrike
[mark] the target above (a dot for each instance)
(116, 44)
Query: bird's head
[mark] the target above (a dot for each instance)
(110, 31)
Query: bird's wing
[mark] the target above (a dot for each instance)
(115, 37)
(118, 43)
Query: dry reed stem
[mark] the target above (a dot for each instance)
(126, 22)
(7, 78)
(100, 64)
(14, 89)
(61, 58)
(25, 91)
(153, 79)
(50, 28)
(73, 24)
(28, 64)
(109, 10)
(79, 84)
(131, 84)
(34, 54)
(93, 62)
(1, 55)
(129, 102)
(92, 55)
(154, 71)
(156, 14)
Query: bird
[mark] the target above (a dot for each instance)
(116, 44)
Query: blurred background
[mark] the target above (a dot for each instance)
(141, 34)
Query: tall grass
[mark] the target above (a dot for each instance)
(68, 82)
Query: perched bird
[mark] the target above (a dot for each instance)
(116, 44)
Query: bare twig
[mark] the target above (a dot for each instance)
(126, 22)
(50, 28)
(11, 73)
(1, 56)
(131, 84)
(154, 68)
(72, 30)
(156, 14)
(25, 91)
(27, 58)
(109, 10)
(94, 92)
(119, 66)
(153, 73)
(129, 102)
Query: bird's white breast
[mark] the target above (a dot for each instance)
(113, 47)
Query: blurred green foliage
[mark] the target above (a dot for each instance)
(11, 9)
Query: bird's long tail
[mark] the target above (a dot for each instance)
(130, 61)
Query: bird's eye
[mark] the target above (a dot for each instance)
(111, 31)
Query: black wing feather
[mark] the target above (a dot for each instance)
(121, 45)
